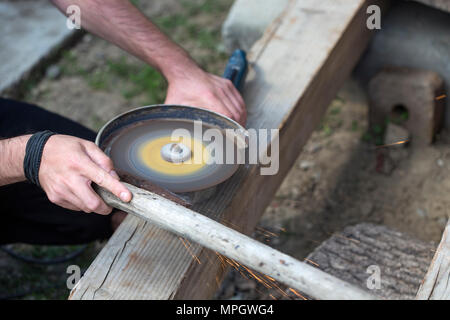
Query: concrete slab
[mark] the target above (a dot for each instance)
(413, 36)
(29, 32)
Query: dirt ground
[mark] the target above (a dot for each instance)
(337, 181)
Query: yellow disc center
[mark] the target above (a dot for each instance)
(150, 155)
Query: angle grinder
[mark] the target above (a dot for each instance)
(166, 145)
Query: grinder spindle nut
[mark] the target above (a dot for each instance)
(175, 152)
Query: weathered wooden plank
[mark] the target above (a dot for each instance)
(436, 284)
(297, 68)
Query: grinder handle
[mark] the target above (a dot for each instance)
(236, 69)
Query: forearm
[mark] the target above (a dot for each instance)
(12, 153)
(121, 23)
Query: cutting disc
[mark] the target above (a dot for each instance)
(167, 152)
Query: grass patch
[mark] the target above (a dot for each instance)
(136, 3)
(170, 23)
(98, 80)
(149, 81)
(180, 28)
(133, 78)
(140, 80)
(332, 119)
(204, 7)
(69, 65)
(374, 135)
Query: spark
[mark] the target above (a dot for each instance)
(347, 238)
(253, 275)
(232, 262)
(267, 281)
(312, 262)
(315, 241)
(237, 266)
(268, 277)
(243, 275)
(222, 260)
(259, 291)
(266, 232)
(234, 226)
(209, 258)
(189, 250)
(281, 291)
(441, 97)
(393, 144)
(265, 284)
(297, 294)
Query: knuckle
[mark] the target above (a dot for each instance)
(108, 163)
(54, 198)
(211, 95)
(93, 204)
(223, 90)
(91, 144)
(87, 210)
(105, 210)
(228, 83)
(74, 161)
(100, 177)
(108, 160)
(58, 192)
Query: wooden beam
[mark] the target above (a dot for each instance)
(297, 68)
(436, 284)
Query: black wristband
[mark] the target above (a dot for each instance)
(33, 155)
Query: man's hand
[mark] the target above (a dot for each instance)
(68, 167)
(120, 22)
(205, 90)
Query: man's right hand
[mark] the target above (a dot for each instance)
(68, 167)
